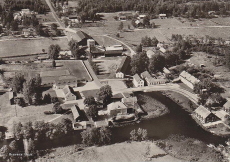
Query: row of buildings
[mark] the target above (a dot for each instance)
(146, 79)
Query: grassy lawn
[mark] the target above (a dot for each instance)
(181, 100)
(189, 149)
(30, 113)
(115, 84)
(26, 46)
(151, 106)
(46, 18)
(125, 152)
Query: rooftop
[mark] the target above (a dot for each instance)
(145, 75)
(202, 111)
(90, 93)
(189, 77)
(75, 112)
(136, 77)
(116, 105)
(125, 62)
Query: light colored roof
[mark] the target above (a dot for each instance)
(166, 71)
(11, 95)
(130, 99)
(189, 77)
(137, 78)
(124, 65)
(202, 111)
(114, 48)
(221, 114)
(116, 105)
(66, 90)
(150, 53)
(227, 104)
(145, 75)
(75, 112)
(162, 14)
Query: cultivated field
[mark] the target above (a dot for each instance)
(29, 46)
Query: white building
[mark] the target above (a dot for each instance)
(137, 81)
(123, 67)
(188, 79)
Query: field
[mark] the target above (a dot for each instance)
(46, 18)
(29, 46)
(30, 113)
(124, 152)
(151, 106)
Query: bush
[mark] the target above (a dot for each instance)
(54, 99)
(19, 101)
(48, 112)
(139, 135)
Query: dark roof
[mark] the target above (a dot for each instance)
(96, 50)
(125, 62)
(73, 16)
(90, 93)
(82, 35)
(117, 52)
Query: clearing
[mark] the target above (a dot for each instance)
(29, 46)
(124, 152)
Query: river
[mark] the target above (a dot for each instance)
(178, 121)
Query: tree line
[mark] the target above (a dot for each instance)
(155, 7)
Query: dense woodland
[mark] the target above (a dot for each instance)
(185, 8)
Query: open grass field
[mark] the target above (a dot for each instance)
(46, 18)
(30, 113)
(29, 46)
(122, 152)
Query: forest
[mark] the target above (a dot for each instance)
(184, 8)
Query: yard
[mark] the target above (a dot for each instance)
(29, 46)
(107, 66)
(116, 85)
(151, 106)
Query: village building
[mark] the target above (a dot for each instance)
(91, 43)
(141, 17)
(151, 80)
(166, 71)
(81, 37)
(162, 16)
(11, 98)
(137, 81)
(123, 67)
(123, 16)
(69, 93)
(97, 51)
(76, 113)
(204, 115)
(226, 106)
(82, 125)
(62, 82)
(150, 53)
(115, 50)
(117, 108)
(188, 79)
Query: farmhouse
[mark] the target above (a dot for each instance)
(137, 81)
(123, 67)
(117, 108)
(115, 50)
(76, 113)
(150, 53)
(188, 79)
(69, 93)
(204, 115)
(226, 106)
(150, 80)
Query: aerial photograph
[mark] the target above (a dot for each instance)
(114, 80)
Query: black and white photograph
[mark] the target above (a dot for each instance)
(114, 80)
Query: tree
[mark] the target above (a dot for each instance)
(31, 147)
(28, 131)
(53, 63)
(28, 92)
(90, 136)
(105, 135)
(14, 26)
(47, 98)
(105, 94)
(57, 109)
(121, 26)
(139, 63)
(53, 51)
(66, 125)
(4, 151)
(54, 26)
(139, 48)
(17, 130)
(146, 21)
(66, 22)
(139, 134)
(17, 82)
(74, 48)
(14, 146)
(157, 63)
(90, 100)
(92, 111)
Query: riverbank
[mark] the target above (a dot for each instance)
(151, 106)
(189, 149)
(125, 152)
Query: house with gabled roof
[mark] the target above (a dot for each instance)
(76, 113)
(137, 81)
(188, 79)
(204, 115)
(123, 67)
(117, 108)
(69, 93)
